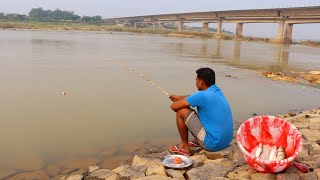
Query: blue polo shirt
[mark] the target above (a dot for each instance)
(215, 115)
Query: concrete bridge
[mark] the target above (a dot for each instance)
(285, 17)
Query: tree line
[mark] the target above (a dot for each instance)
(39, 14)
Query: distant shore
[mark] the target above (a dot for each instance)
(170, 32)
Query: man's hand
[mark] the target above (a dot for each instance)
(174, 98)
(179, 104)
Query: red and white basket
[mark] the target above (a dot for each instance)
(273, 131)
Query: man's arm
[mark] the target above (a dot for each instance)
(177, 105)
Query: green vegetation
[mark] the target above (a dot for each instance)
(76, 26)
(38, 14)
(41, 15)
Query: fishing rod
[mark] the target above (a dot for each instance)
(145, 78)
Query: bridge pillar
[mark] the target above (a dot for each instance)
(219, 27)
(280, 31)
(180, 28)
(134, 23)
(161, 25)
(239, 30)
(205, 27)
(154, 25)
(288, 34)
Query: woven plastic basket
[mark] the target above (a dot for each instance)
(273, 131)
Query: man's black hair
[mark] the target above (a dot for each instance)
(207, 75)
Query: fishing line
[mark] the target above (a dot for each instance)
(147, 79)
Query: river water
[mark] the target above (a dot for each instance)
(107, 106)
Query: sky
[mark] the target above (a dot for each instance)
(120, 8)
(113, 8)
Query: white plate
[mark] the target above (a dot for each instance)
(168, 162)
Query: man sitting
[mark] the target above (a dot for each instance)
(212, 124)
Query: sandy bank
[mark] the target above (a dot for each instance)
(169, 32)
(311, 78)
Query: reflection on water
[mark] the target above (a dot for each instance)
(203, 50)
(216, 52)
(281, 60)
(111, 113)
(236, 52)
(50, 42)
(239, 54)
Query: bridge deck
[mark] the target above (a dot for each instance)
(274, 14)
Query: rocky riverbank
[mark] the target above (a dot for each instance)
(225, 164)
